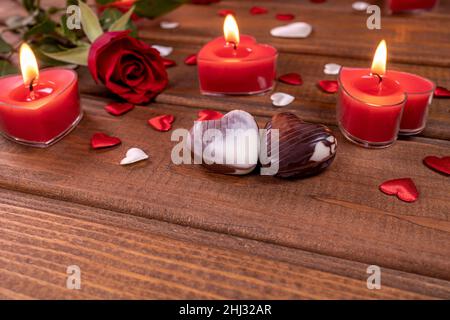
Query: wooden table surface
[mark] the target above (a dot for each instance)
(158, 230)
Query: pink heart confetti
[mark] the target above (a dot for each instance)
(328, 86)
(291, 78)
(118, 109)
(162, 123)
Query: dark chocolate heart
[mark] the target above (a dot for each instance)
(304, 148)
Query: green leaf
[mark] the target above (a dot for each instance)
(122, 22)
(104, 1)
(4, 46)
(45, 27)
(90, 23)
(7, 68)
(66, 32)
(29, 5)
(155, 8)
(77, 55)
(108, 17)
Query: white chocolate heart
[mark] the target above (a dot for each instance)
(332, 68)
(360, 5)
(134, 155)
(163, 50)
(280, 99)
(169, 24)
(292, 30)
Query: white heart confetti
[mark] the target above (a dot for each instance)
(292, 30)
(163, 51)
(169, 24)
(280, 99)
(331, 68)
(360, 5)
(134, 155)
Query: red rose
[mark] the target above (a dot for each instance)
(128, 67)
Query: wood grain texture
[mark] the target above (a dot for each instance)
(340, 213)
(125, 257)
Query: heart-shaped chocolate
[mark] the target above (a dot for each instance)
(229, 145)
(304, 148)
(404, 189)
(441, 165)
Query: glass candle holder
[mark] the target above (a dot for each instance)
(404, 6)
(248, 69)
(43, 116)
(419, 93)
(365, 119)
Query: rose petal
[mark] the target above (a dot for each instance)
(162, 123)
(285, 16)
(208, 114)
(134, 155)
(291, 78)
(169, 25)
(292, 30)
(258, 10)
(163, 50)
(360, 5)
(118, 109)
(191, 60)
(100, 140)
(441, 92)
(280, 99)
(169, 63)
(328, 86)
(225, 12)
(331, 68)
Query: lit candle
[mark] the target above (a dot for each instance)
(370, 103)
(236, 64)
(396, 6)
(38, 108)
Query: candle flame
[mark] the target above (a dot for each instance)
(28, 65)
(231, 30)
(379, 60)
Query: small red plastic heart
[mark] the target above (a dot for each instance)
(285, 16)
(162, 123)
(441, 92)
(208, 114)
(291, 78)
(100, 140)
(317, 1)
(225, 12)
(404, 189)
(328, 86)
(169, 63)
(118, 109)
(191, 60)
(441, 165)
(258, 10)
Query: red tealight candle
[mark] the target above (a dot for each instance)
(370, 104)
(419, 92)
(236, 64)
(411, 5)
(38, 109)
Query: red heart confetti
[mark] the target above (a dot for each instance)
(328, 86)
(225, 12)
(169, 63)
(291, 78)
(317, 1)
(441, 92)
(258, 10)
(404, 189)
(118, 109)
(162, 123)
(191, 60)
(285, 16)
(208, 114)
(441, 165)
(100, 140)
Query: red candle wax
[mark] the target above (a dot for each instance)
(44, 116)
(419, 92)
(411, 5)
(369, 107)
(250, 68)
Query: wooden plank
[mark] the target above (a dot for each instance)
(122, 256)
(338, 31)
(339, 213)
